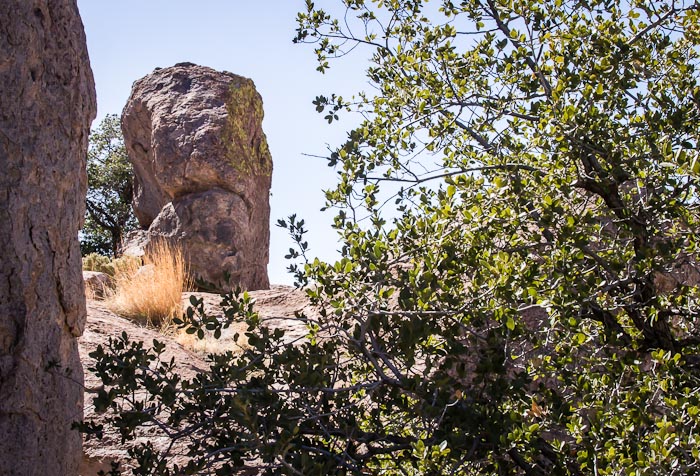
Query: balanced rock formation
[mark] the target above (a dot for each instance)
(46, 107)
(202, 170)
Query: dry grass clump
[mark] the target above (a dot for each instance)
(211, 345)
(91, 293)
(151, 294)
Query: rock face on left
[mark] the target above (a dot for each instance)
(46, 107)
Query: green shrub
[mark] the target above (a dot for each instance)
(103, 264)
(97, 262)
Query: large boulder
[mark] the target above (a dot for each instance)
(46, 107)
(202, 170)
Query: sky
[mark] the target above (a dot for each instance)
(128, 39)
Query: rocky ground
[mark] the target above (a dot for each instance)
(276, 307)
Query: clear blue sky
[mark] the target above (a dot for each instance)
(129, 38)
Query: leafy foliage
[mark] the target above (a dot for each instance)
(110, 189)
(518, 288)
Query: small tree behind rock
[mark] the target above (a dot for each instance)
(108, 213)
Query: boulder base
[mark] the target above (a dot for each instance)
(218, 247)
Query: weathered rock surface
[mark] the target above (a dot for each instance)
(276, 307)
(96, 283)
(46, 107)
(135, 242)
(202, 170)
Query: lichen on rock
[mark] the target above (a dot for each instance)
(247, 149)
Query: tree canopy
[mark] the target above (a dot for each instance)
(518, 287)
(110, 189)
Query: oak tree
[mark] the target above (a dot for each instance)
(109, 215)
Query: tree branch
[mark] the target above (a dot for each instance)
(509, 167)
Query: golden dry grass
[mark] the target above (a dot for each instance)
(211, 345)
(90, 293)
(151, 294)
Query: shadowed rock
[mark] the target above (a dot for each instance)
(46, 106)
(202, 170)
